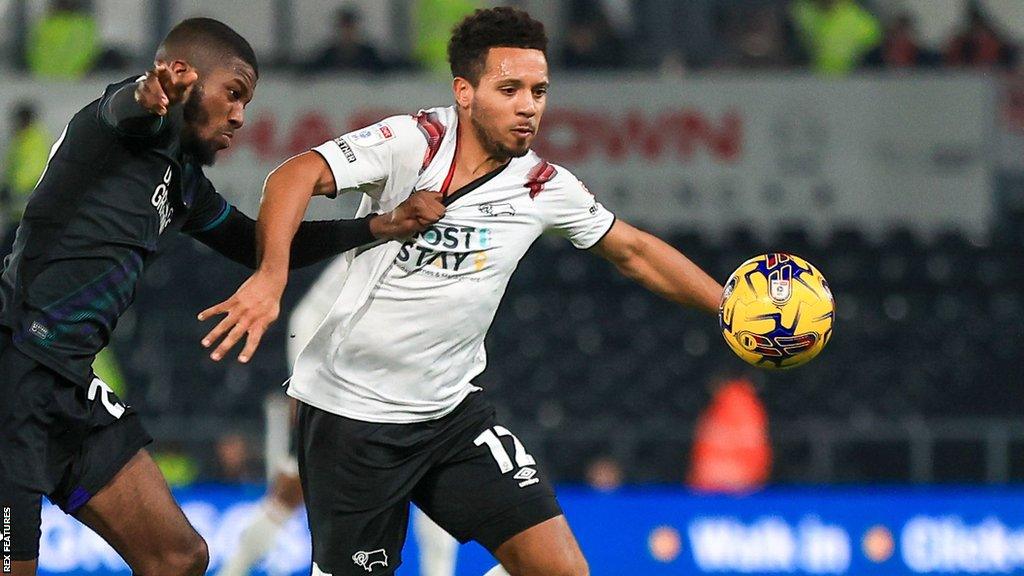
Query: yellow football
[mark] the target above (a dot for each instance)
(777, 311)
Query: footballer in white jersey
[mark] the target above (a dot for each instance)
(377, 357)
(388, 413)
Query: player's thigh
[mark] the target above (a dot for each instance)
(136, 514)
(487, 486)
(547, 549)
(357, 478)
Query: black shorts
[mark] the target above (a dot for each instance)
(469, 474)
(57, 439)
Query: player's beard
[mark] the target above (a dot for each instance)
(203, 151)
(493, 146)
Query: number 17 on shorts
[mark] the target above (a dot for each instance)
(527, 472)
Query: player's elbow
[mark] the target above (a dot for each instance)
(629, 254)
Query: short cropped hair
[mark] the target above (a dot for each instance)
(205, 42)
(491, 28)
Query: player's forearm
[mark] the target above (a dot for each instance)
(664, 270)
(315, 241)
(318, 240)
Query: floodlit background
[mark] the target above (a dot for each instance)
(881, 140)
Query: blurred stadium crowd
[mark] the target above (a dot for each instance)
(922, 379)
(72, 38)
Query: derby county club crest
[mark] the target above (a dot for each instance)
(370, 559)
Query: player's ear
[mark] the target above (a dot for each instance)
(179, 66)
(463, 91)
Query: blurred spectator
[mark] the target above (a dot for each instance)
(591, 43)
(836, 33)
(755, 37)
(979, 44)
(604, 474)
(65, 43)
(347, 49)
(434, 22)
(673, 64)
(901, 48)
(731, 451)
(23, 164)
(179, 469)
(234, 462)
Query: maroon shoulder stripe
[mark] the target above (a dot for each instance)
(433, 130)
(538, 176)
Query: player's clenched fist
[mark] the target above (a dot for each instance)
(164, 86)
(414, 215)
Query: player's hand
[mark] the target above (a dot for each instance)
(249, 312)
(412, 216)
(163, 87)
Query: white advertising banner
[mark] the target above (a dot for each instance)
(707, 153)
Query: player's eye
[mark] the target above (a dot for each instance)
(235, 94)
(508, 91)
(539, 92)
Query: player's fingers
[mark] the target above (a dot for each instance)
(165, 76)
(431, 216)
(428, 212)
(252, 341)
(229, 341)
(150, 95)
(218, 330)
(214, 310)
(174, 83)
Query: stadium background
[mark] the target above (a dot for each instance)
(718, 124)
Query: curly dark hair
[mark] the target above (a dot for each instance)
(491, 28)
(207, 42)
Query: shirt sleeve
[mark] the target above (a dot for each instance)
(119, 112)
(364, 159)
(573, 212)
(207, 208)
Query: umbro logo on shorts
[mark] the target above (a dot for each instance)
(370, 559)
(526, 475)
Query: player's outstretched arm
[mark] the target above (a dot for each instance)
(318, 240)
(137, 109)
(286, 194)
(659, 267)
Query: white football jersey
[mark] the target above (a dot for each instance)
(405, 336)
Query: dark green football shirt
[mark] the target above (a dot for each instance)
(93, 221)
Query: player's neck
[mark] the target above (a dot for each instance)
(471, 159)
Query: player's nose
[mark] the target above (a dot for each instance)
(526, 105)
(237, 116)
